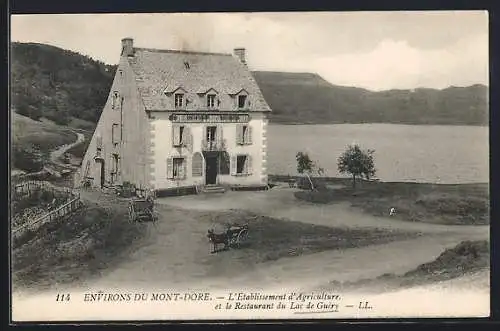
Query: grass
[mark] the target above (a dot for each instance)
(271, 239)
(453, 204)
(465, 258)
(45, 136)
(67, 250)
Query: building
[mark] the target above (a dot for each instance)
(179, 119)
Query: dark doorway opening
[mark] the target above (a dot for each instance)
(101, 170)
(211, 166)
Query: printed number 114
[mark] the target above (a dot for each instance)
(63, 297)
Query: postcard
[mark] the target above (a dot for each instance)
(249, 166)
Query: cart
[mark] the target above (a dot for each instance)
(234, 236)
(142, 210)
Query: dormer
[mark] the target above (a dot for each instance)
(210, 98)
(179, 96)
(242, 99)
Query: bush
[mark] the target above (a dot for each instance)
(28, 158)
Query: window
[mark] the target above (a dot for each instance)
(178, 135)
(242, 101)
(99, 143)
(211, 132)
(114, 167)
(244, 135)
(176, 168)
(115, 134)
(241, 165)
(211, 101)
(115, 101)
(179, 100)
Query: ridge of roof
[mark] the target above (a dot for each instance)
(176, 51)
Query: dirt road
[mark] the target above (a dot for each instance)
(176, 253)
(56, 154)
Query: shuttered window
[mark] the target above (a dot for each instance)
(115, 100)
(170, 168)
(239, 134)
(178, 135)
(242, 165)
(197, 165)
(243, 134)
(234, 160)
(248, 135)
(176, 168)
(115, 133)
(248, 165)
(99, 143)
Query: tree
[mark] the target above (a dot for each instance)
(357, 163)
(307, 166)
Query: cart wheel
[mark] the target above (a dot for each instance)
(242, 237)
(150, 215)
(132, 215)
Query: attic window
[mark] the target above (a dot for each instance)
(178, 99)
(211, 101)
(242, 101)
(186, 64)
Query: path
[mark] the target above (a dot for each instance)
(56, 166)
(56, 154)
(176, 252)
(280, 202)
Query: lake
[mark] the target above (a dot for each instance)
(417, 153)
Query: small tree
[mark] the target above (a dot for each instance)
(307, 166)
(357, 163)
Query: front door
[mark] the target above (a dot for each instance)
(211, 170)
(100, 171)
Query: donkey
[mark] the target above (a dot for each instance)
(216, 239)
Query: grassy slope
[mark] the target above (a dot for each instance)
(66, 251)
(468, 257)
(414, 202)
(46, 136)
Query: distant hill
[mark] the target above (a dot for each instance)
(308, 98)
(61, 85)
(58, 84)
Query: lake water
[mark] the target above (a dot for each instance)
(430, 153)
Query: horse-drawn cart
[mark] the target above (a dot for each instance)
(234, 236)
(142, 210)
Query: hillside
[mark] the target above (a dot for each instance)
(308, 98)
(62, 85)
(57, 84)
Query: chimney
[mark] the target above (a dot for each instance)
(240, 53)
(127, 47)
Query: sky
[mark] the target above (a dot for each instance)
(373, 50)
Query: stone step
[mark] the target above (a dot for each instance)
(213, 189)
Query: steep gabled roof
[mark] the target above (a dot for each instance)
(158, 71)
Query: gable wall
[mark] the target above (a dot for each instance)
(132, 120)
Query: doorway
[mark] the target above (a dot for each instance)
(211, 166)
(100, 165)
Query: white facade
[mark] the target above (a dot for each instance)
(163, 149)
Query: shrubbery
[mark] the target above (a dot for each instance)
(29, 158)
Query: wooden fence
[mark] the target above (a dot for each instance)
(26, 188)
